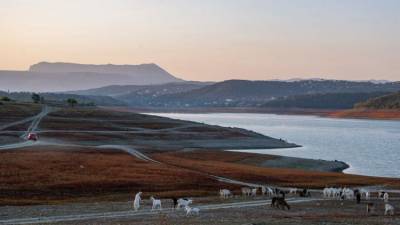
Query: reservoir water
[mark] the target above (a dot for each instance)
(370, 147)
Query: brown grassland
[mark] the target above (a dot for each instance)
(53, 174)
(367, 114)
(56, 174)
(227, 166)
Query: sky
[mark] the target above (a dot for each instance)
(209, 40)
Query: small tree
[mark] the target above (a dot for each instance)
(5, 99)
(72, 102)
(35, 98)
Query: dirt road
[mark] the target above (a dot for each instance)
(141, 213)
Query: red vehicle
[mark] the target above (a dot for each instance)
(32, 137)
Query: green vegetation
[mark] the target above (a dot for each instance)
(72, 102)
(322, 101)
(5, 99)
(35, 97)
(61, 98)
(390, 101)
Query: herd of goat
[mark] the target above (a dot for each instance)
(277, 198)
(350, 194)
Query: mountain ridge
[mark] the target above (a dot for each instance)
(57, 77)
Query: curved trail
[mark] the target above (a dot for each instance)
(130, 214)
(131, 151)
(32, 127)
(17, 145)
(35, 123)
(3, 127)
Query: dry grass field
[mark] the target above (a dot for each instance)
(231, 165)
(69, 165)
(367, 114)
(53, 174)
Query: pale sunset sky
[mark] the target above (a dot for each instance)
(209, 40)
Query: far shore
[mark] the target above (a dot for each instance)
(332, 113)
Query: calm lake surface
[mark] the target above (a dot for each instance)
(371, 147)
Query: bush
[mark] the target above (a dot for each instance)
(5, 99)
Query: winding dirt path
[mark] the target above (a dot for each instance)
(129, 214)
(32, 127)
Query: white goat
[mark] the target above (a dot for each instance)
(136, 202)
(263, 190)
(225, 193)
(347, 193)
(194, 211)
(246, 191)
(270, 191)
(156, 203)
(254, 192)
(386, 197)
(183, 202)
(365, 193)
(389, 209)
(292, 190)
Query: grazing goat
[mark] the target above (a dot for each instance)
(292, 190)
(347, 193)
(365, 193)
(280, 203)
(183, 202)
(156, 203)
(305, 193)
(280, 192)
(194, 211)
(266, 190)
(386, 197)
(254, 192)
(370, 208)
(246, 191)
(358, 197)
(389, 209)
(175, 202)
(225, 193)
(263, 190)
(136, 202)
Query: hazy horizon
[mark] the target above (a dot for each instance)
(209, 40)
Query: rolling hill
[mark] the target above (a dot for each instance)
(125, 91)
(246, 93)
(322, 101)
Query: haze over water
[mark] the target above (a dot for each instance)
(371, 147)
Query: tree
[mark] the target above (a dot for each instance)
(35, 98)
(72, 102)
(5, 99)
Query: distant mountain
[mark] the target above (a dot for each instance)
(51, 77)
(257, 93)
(390, 101)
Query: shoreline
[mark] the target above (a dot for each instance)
(280, 161)
(326, 113)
